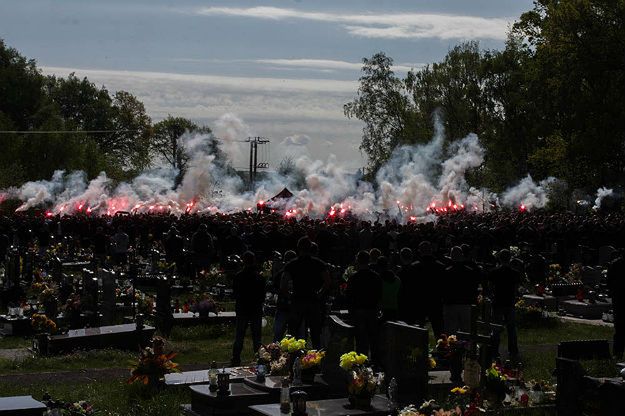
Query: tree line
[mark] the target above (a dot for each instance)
(73, 124)
(551, 103)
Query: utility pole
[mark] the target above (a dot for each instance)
(254, 165)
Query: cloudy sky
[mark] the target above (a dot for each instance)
(284, 67)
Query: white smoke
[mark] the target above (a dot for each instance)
(528, 193)
(416, 181)
(601, 193)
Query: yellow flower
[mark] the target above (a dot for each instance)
(432, 363)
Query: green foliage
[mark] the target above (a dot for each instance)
(549, 104)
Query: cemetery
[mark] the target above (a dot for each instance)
(147, 337)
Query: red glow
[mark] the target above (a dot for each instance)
(49, 214)
(522, 207)
(261, 203)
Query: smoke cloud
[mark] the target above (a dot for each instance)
(417, 181)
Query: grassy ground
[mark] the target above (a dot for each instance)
(197, 347)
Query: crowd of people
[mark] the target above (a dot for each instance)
(416, 272)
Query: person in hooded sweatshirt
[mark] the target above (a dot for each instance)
(390, 290)
(461, 290)
(504, 281)
(249, 293)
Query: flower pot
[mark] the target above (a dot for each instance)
(455, 368)
(308, 375)
(360, 401)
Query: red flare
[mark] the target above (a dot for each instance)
(49, 214)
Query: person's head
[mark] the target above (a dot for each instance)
(202, 227)
(289, 255)
(374, 254)
(456, 254)
(382, 263)
(425, 249)
(249, 259)
(362, 259)
(304, 246)
(314, 249)
(405, 255)
(504, 256)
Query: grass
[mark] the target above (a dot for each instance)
(202, 344)
(14, 342)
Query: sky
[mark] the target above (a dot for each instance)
(280, 69)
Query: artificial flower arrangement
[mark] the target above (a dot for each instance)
(279, 356)
(80, 408)
(41, 323)
(153, 364)
(203, 304)
(266, 270)
(449, 352)
(312, 359)
(362, 381)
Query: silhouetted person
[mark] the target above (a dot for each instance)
(283, 304)
(310, 280)
(505, 280)
(364, 293)
(249, 293)
(202, 246)
(616, 284)
(390, 290)
(429, 271)
(461, 284)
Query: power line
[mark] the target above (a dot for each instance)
(65, 131)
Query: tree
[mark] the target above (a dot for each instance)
(382, 105)
(130, 144)
(167, 141)
(577, 51)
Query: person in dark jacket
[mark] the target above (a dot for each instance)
(430, 272)
(460, 293)
(616, 284)
(309, 279)
(249, 293)
(505, 281)
(364, 292)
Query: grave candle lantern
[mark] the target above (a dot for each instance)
(223, 383)
(299, 403)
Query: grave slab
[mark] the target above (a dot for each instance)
(21, 406)
(333, 407)
(585, 310)
(189, 318)
(125, 336)
(546, 302)
(189, 378)
(206, 402)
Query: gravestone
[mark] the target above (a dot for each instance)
(584, 349)
(108, 296)
(578, 394)
(185, 319)
(21, 406)
(340, 340)
(405, 358)
(89, 298)
(591, 276)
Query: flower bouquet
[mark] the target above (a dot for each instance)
(81, 408)
(362, 382)
(41, 323)
(203, 305)
(495, 387)
(152, 366)
(311, 364)
(272, 356)
(452, 350)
